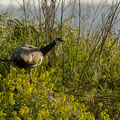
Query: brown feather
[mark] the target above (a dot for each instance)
(27, 57)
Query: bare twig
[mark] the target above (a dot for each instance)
(104, 31)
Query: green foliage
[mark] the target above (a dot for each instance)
(74, 88)
(22, 100)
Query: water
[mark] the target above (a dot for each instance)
(87, 12)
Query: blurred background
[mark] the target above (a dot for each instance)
(89, 8)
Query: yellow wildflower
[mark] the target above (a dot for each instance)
(14, 113)
(1, 93)
(0, 75)
(48, 79)
(30, 89)
(17, 118)
(101, 61)
(12, 101)
(21, 112)
(47, 74)
(93, 90)
(2, 114)
(118, 106)
(106, 110)
(114, 46)
(24, 110)
(43, 113)
(60, 118)
(103, 113)
(71, 97)
(109, 43)
(43, 76)
(51, 85)
(22, 71)
(12, 88)
(29, 118)
(13, 69)
(100, 104)
(52, 70)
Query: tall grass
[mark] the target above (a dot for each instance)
(77, 80)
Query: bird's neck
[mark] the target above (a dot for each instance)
(47, 48)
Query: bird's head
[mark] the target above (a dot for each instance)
(59, 40)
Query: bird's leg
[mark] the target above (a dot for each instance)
(30, 74)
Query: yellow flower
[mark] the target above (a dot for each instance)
(1, 93)
(2, 114)
(47, 74)
(101, 61)
(12, 88)
(12, 101)
(93, 90)
(22, 71)
(43, 76)
(27, 75)
(17, 118)
(52, 70)
(60, 118)
(71, 97)
(36, 105)
(29, 90)
(118, 106)
(103, 113)
(48, 79)
(43, 113)
(105, 116)
(63, 98)
(100, 104)
(13, 69)
(109, 43)
(21, 112)
(24, 110)
(106, 110)
(51, 85)
(114, 46)
(14, 113)
(65, 108)
(0, 75)
(29, 118)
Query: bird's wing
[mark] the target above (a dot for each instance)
(36, 57)
(27, 56)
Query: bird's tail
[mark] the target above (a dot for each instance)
(4, 60)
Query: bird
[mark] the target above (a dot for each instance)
(29, 57)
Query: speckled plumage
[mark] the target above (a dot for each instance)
(27, 57)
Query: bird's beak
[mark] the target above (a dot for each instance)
(62, 41)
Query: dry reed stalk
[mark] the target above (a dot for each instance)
(104, 30)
